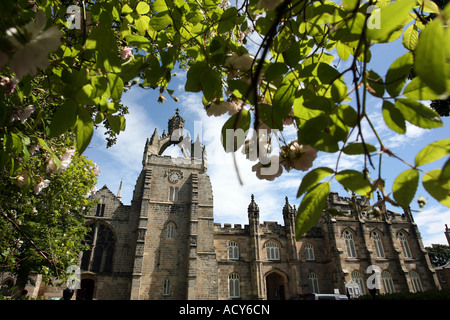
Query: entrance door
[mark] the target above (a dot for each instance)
(275, 287)
(86, 292)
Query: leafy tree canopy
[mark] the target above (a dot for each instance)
(72, 61)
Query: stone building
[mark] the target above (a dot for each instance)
(165, 244)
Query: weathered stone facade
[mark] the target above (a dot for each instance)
(167, 246)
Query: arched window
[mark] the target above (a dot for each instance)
(173, 194)
(388, 284)
(234, 285)
(166, 287)
(233, 250)
(405, 245)
(99, 257)
(309, 250)
(350, 244)
(313, 282)
(378, 244)
(415, 281)
(170, 231)
(357, 277)
(273, 251)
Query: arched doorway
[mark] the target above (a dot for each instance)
(275, 286)
(86, 292)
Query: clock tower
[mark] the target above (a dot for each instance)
(173, 210)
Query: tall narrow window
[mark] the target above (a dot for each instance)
(170, 231)
(309, 251)
(405, 245)
(173, 194)
(234, 285)
(101, 207)
(415, 281)
(273, 251)
(99, 256)
(166, 287)
(378, 244)
(233, 250)
(314, 282)
(357, 277)
(350, 244)
(388, 284)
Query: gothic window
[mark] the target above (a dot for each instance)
(357, 277)
(170, 231)
(378, 244)
(101, 207)
(234, 285)
(415, 281)
(99, 256)
(405, 245)
(350, 244)
(166, 287)
(273, 251)
(313, 282)
(173, 194)
(309, 251)
(388, 284)
(233, 250)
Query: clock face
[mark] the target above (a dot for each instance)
(174, 176)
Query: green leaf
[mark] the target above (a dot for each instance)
(142, 24)
(410, 37)
(392, 18)
(350, 5)
(355, 181)
(405, 186)
(445, 173)
(312, 178)
(433, 152)
(115, 86)
(84, 129)
(116, 122)
(159, 6)
(397, 74)
(160, 21)
(283, 99)
(343, 50)
(235, 130)
(376, 84)
(440, 190)
(418, 90)
(63, 119)
(126, 9)
(430, 59)
(142, 8)
(311, 208)
(211, 84)
(393, 117)
(227, 20)
(358, 148)
(194, 76)
(418, 114)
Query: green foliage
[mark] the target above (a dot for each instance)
(439, 254)
(291, 79)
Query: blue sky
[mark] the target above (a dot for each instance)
(123, 161)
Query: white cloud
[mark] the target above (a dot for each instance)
(431, 222)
